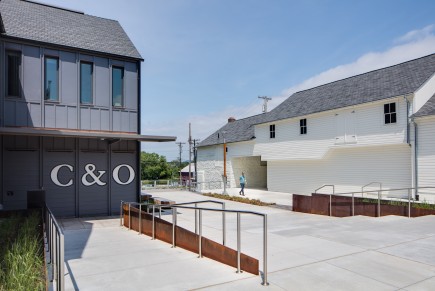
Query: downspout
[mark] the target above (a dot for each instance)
(408, 116)
(415, 159)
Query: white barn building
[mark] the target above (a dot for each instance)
(347, 133)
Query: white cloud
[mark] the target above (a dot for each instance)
(414, 44)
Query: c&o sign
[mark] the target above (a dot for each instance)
(92, 176)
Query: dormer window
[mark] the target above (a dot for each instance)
(272, 130)
(390, 113)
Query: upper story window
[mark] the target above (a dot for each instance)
(117, 86)
(390, 113)
(51, 79)
(86, 81)
(13, 67)
(303, 126)
(272, 130)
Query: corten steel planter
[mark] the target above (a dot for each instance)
(342, 206)
(188, 240)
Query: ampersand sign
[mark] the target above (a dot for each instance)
(90, 171)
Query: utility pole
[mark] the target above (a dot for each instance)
(195, 156)
(224, 176)
(265, 99)
(190, 155)
(180, 145)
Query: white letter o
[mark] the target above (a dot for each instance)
(116, 174)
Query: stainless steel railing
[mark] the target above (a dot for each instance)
(198, 230)
(56, 247)
(379, 197)
(371, 183)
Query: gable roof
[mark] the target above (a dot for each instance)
(239, 130)
(427, 109)
(393, 81)
(43, 23)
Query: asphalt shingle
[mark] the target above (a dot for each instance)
(46, 24)
(427, 109)
(393, 81)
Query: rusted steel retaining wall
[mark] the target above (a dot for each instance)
(342, 206)
(188, 240)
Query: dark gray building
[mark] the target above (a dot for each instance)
(69, 110)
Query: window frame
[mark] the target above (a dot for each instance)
(19, 55)
(122, 86)
(92, 83)
(272, 131)
(389, 113)
(303, 128)
(58, 78)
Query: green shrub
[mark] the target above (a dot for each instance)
(22, 261)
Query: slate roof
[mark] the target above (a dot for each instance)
(397, 80)
(427, 109)
(43, 23)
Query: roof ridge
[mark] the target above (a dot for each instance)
(54, 6)
(365, 73)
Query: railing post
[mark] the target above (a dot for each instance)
(265, 283)
(154, 224)
(238, 243)
(196, 218)
(200, 235)
(330, 205)
(160, 211)
(353, 204)
(224, 228)
(140, 218)
(174, 222)
(62, 263)
(379, 203)
(409, 203)
(129, 216)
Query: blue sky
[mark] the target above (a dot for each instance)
(206, 60)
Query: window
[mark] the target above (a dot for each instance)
(390, 113)
(303, 126)
(117, 86)
(272, 130)
(86, 78)
(51, 79)
(13, 67)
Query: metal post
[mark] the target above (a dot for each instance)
(409, 203)
(154, 225)
(330, 205)
(265, 283)
(160, 211)
(174, 222)
(224, 229)
(62, 263)
(200, 234)
(196, 218)
(129, 216)
(353, 204)
(379, 203)
(238, 243)
(140, 218)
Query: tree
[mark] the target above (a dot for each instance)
(154, 166)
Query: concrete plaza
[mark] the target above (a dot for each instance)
(305, 252)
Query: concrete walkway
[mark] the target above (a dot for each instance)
(305, 252)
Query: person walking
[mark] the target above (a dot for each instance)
(242, 184)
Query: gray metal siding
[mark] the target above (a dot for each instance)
(33, 111)
(93, 200)
(21, 164)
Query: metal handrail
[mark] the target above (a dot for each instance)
(330, 197)
(223, 210)
(55, 247)
(379, 197)
(362, 188)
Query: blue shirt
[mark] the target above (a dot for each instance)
(242, 180)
